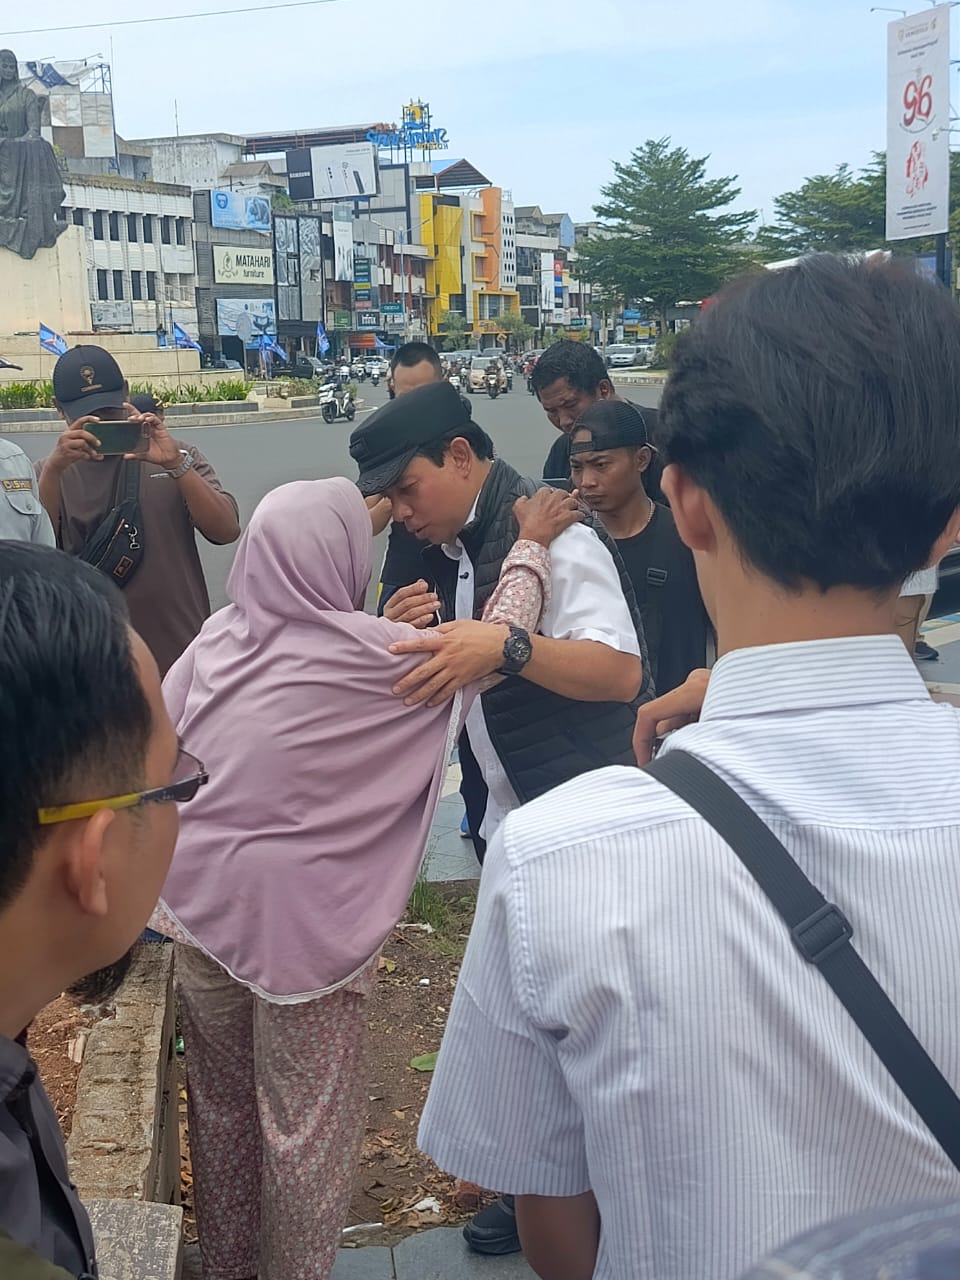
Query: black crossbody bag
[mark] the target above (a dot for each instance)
(822, 934)
(116, 545)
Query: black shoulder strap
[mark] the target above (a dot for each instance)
(821, 933)
(131, 480)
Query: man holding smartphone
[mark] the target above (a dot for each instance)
(84, 478)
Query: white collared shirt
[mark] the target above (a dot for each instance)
(632, 1017)
(586, 603)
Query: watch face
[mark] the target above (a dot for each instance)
(518, 651)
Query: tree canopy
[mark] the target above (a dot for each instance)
(669, 234)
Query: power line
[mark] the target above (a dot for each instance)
(172, 17)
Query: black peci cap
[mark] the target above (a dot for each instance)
(86, 379)
(385, 445)
(612, 424)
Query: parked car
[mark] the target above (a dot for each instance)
(300, 366)
(222, 362)
(477, 373)
(622, 355)
(645, 350)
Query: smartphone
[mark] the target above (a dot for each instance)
(559, 482)
(118, 437)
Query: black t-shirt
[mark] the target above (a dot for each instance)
(664, 579)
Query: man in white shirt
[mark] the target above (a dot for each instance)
(636, 1050)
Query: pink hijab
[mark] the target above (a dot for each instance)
(297, 859)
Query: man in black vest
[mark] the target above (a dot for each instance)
(568, 703)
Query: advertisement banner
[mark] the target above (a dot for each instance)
(368, 320)
(346, 172)
(341, 320)
(111, 315)
(246, 318)
(558, 284)
(362, 284)
(343, 242)
(242, 266)
(238, 212)
(918, 124)
(546, 282)
(392, 308)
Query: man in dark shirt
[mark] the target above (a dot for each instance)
(413, 365)
(610, 454)
(90, 770)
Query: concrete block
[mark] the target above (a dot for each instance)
(137, 1241)
(125, 1140)
(370, 1263)
(441, 1254)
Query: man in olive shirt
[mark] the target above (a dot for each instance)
(179, 494)
(90, 773)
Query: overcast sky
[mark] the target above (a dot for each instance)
(540, 95)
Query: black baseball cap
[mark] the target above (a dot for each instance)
(387, 442)
(86, 379)
(612, 424)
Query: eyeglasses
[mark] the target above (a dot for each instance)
(189, 776)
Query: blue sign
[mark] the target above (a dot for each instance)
(239, 212)
(392, 308)
(416, 133)
(631, 316)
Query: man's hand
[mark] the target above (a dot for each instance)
(546, 515)
(77, 444)
(416, 605)
(161, 448)
(464, 651)
(675, 709)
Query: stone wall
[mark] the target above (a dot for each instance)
(125, 1141)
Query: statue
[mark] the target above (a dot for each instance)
(31, 187)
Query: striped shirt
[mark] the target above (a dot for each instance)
(632, 1018)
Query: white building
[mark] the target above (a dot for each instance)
(139, 247)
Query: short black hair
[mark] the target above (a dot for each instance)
(578, 362)
(475, 436)
(819, 406)
(146, 402)
(74, 720)
(413, 353)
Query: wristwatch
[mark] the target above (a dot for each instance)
(187, 463)
(517, 651)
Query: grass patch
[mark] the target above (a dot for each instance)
(449, 910)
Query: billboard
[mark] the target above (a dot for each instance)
(918, 124)
(237, 211)
(345, 172)
(242, 266)
(343, 242)
(111, 315)
(246, 318)
(546, 282)
(78, 116)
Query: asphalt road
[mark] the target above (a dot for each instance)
(252, 460)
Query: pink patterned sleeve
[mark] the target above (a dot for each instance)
(523, 592)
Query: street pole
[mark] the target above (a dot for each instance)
(942, 259)
(403, 289)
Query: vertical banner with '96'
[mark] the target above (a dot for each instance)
(918, 124)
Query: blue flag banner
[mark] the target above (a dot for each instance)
(323, 342)
(51, 341)
(267, 342)
(183, 339)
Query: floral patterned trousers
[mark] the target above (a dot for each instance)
(276, 1097)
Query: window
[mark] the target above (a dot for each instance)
(181, 231)
(118, 285)
(114, 226)
(132, 228)
(136, 286)
(97, 225)
(164, 230)
(147, 229)
(152, 286)
(78, 219)
(102, 293)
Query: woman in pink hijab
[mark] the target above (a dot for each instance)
(296, 861)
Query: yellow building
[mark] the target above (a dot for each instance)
(442, 230)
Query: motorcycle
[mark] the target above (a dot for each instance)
(493, 384)
(375, 377)
(454, 380)
(336, 402)
(509, 373)
(359, 371)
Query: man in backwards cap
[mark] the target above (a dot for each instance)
(610, 453)
(568, 705)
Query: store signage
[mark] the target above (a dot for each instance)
(241, 266)
(111, 315)
(415, 133)
(368, 320)
(341, 320)
(392, 308)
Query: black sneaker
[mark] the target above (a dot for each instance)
(494, 1230)
(924, 652)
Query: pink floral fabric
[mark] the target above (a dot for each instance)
(276, 1097)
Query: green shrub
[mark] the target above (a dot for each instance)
(195, 392)
(301, 386)
(26, 395)
(663, 352)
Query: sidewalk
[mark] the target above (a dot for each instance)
(440, 1254)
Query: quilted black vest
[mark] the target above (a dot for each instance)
(542, 739)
